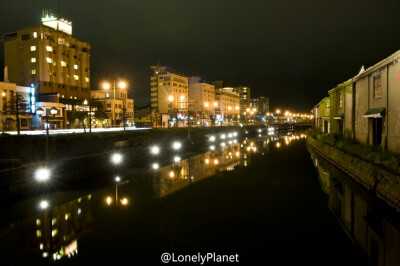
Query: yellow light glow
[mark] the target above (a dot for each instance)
(278, 144)
(106, 86)
(124, 201)
(182, 97)
(206, 104)
(122, 85)
(207, 161)
(171, 174)
(278, 111)
(108, 200)
(170, 98)
(216, 161)
(215, 104)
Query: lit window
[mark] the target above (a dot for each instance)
(75, 66)
(76, 77)
(33, 60)
(38, 233)
(33, 48)
(35, 35)
(33, 72)
(49, 60)
(63, 63)
(341, 99)
(49, 49)
(87, 79)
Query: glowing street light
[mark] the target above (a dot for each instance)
(117, 179)
(44, 204)
(155, 166)
(122, 85)
(212, 138)
(53, 111)
(177, 159)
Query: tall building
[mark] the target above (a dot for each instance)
(244, 97)
(47, 56)
(261, 104)
(169, 91)
(228, 107)
(201, 99)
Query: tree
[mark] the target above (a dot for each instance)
(17, 105)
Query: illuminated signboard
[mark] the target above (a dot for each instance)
(32, 99)
(58, 24)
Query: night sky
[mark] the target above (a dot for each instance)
(292, 51)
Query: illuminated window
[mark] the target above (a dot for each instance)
(38, 233)
(33, 60)
(49, 49)
(38, 222)
(54, 232)
(49, 60)
(377, 87)
(35, 35)
(76, 77)
(87, 79)
(75, 66)
(33, 72)
(63, 63)
(33, 48)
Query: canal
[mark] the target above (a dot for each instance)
(265, 198)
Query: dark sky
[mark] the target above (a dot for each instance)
(292, 51)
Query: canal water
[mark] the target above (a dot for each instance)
(265, 198)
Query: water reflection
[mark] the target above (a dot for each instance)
(54, 232)
(372, 225)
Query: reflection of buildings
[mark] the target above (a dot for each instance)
(373, 228)
(173, 177)
(54, 232)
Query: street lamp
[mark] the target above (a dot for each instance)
(122, 85)
(53, 112)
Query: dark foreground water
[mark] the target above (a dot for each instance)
(261, 199)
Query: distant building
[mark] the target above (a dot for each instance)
(8, 107)
(244, 98)
(201, 100)
(169, 92)
(261, 104)
(49, 57)
(228, 109)
(121, 102)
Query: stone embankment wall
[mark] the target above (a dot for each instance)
(372, 176)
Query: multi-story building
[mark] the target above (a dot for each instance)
(261, 104)
(15, 99)
(202, 99)
(228, 108)
(244, 96)
(49, 57)
(121, 102)
(169, 93)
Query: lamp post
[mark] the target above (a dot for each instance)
(107, 86)
(53, 112)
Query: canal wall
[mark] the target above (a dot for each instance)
(373, 176)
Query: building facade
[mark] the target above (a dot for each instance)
(228, 108)
(202, 100)
(15, 99)
(377, 104)
(122, 106)
(49, 57)
(341, 100)
(244, 98)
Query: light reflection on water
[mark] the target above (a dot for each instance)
(372, 225)
(54, 232)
